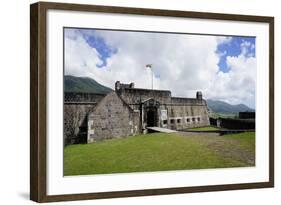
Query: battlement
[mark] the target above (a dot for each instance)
(74, 97)
(191, 101)
(119, 86)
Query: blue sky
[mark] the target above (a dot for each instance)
(105, 51)
(233, 48)
(223, 67)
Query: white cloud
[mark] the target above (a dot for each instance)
(185, 63)
(239, 84)
(223, 39)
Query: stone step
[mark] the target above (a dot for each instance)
(161, 129)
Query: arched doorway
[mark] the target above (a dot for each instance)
(150, 112)
(151, 117)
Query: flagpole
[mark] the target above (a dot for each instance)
(151, 78)
(150, 66)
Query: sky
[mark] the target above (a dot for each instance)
(222, 67)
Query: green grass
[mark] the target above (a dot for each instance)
(159, 152)
(208, 128)
(225, 115)
(246, 140)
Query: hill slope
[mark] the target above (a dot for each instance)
(223, 107)
(84, 85)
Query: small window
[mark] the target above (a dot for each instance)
(198, 119)
(193, 119)
(178, 120)
(172, 121)
(187, 120)
(164, 122)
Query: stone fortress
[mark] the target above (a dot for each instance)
(128, 111)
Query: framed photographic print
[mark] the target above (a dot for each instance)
(134, 102)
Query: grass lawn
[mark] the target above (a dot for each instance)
(160, 152)
(225, 115)
(208, 128)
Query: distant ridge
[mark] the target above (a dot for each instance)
(83, 85)
(223, 107)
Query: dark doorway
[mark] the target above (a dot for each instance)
(151, 117)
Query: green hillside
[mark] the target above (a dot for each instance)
(84, 85)
(223, 107)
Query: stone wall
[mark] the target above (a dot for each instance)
(187, 101)
(77, 107)
(238, 124)
(182, 116)
(82, 97)
(92, 117)
(135, 96)
(247, 115)
(75, 122)
(112, 118)
(182, 112)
